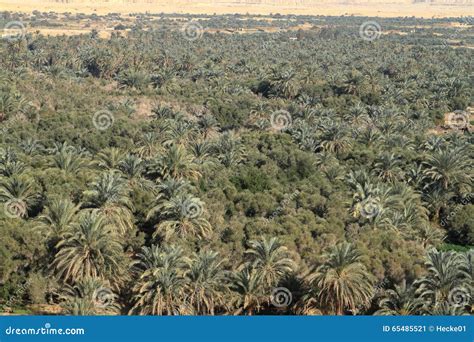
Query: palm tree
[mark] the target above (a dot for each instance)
(434, 143)
(133, 168)
(89, 249)
(180, 131)
(449, 169)
(467, 265)
(324, 160)
(343, 281)
(165, 191)
(109, 159)
(229, 150)
(400, 301)
(430, 236)
(58, 217)
(208, 125)
(353, 82)
(249, 295)
(31, 146)
(416, 176)
(67, 160)
(206, 286)
(19, 195)
(9, 163)
(89, 296)
(446, 309)
(445, 274)
(149, 145)
(270, 259)
(201, 151)
(183, 217)
(136, 79)
(109, 194)
(436, 199)
(11, 103)
(367, 135)
(334, 140)
(284, 83)
(356, 115)
(162, 111)
(64, 146)
(160, 288)
(176, 163)
(388, 168)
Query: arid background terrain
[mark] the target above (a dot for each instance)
(382, 8)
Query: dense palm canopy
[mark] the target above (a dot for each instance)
(202, 177)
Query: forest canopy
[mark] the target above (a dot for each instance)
(209, 170)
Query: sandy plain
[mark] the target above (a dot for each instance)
(373, 8)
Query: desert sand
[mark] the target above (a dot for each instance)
(375, 8)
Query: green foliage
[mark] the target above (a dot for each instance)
(196, 178)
